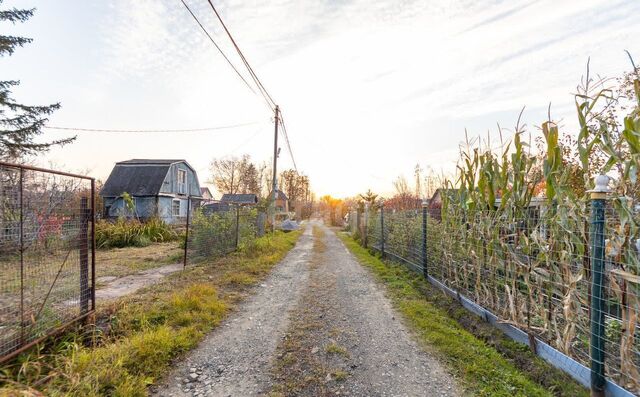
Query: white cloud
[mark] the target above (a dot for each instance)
(368, 87)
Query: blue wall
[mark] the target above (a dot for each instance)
(161, 206)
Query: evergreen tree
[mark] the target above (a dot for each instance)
(20, 124)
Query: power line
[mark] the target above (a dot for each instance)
(216, 45)
(225, 127)
(268, 99)
(249, 139)
(286, 139)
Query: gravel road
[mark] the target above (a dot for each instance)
(318, 326)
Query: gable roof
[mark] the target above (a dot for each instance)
(138, 177)
(280, 195)
(205, 190)
(242, 199)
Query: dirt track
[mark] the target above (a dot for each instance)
(319, 325)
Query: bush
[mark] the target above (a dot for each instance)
(132, 233)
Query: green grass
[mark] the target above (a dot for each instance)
(334, 348)
(146, 331)
(483, 370)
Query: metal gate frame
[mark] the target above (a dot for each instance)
(88, 298)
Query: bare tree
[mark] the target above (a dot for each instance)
(235, 175)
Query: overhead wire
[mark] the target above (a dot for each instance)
(225, 127)
(286, 139)
(217, 46)
(267, 97)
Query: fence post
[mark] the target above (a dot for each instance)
(596, 235)
(425, 206)
(365, 237)
(186, 234)
(382, 227)
(22, 320)
(92, 214)
(237, 225)
(84, 255)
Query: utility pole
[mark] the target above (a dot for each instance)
(275, 171)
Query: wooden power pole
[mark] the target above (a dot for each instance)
(275, 170)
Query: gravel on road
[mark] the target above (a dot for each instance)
(319, 325)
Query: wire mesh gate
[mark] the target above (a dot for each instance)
(215, 234)
(47, 254)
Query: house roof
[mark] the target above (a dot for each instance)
(204, 190)
(280, 195)
(138, 177)
(239, 198)
(149, 161)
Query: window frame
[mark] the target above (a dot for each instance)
(173, 208)
(182, 184)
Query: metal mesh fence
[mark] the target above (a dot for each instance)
(46, 254)
(215, 234)
(534, 269)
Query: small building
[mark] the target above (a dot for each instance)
(158, 188)
(207, 196)
(206, 193)
(282, 202)
(239, 199)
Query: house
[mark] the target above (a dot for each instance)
(282, 201)
(435, 202)
(206, 193)
(239, 199)
(159, 188)
(207, 196)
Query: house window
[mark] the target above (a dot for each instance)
(175, 208)
(182, 182)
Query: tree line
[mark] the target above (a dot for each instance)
(241, 175)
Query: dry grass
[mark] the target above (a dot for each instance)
(120, 262)
(141, 334)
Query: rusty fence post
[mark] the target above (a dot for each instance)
(84, 255)
(237, 226)
(365, 237)
(186, 234)
(93, 244)
(425, 270)
(21, 230)
(382, 227)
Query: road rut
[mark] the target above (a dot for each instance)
(319, 325)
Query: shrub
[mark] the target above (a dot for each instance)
(132, 233)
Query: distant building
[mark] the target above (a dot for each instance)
(282, 201)
(239, 199)
(206, 193)
(207, 196)
(159, 188)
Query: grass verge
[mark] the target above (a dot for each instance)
(141, 334)
(488, 363)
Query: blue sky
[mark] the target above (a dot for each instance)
(368, 88)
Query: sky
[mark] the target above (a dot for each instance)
(368, 88)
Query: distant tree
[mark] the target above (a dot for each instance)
(369, 198)
(235, 175)
(417, 172)
(20, 124)
(404, 198)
